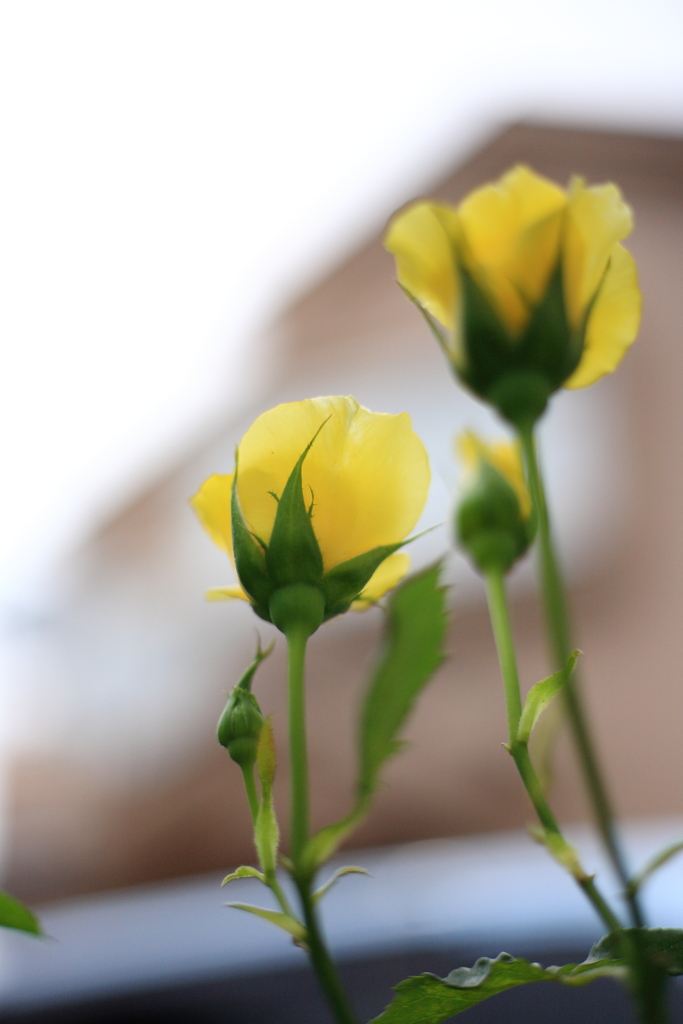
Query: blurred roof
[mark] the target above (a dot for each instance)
(177, 174)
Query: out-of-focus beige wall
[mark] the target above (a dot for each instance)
(144, 792)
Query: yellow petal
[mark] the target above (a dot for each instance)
(511, 232)
(505, 456)
(226, 594)
(421, 240)
(368, 473)
(212, 505)
(386, 576)
(613, 322)
(596, 219)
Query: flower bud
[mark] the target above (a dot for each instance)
(493, 521)
(239, 727)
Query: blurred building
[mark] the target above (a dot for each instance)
(124, 781)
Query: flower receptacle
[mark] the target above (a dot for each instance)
(298, 607)
(521, 397)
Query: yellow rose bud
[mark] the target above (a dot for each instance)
(493, 521)
(323, 495)
(525, 284)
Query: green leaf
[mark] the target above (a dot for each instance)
(662, 947)
(266, 831)
(293, 554)
(540, 695)
(276, 917)
(428, 999)
(412, 653)
(244, 872)
(14, 914)
(324, 889)
(543, 743)
(250, 559)
(652, 865)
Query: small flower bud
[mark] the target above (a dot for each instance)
(239, 727)
(493, 519)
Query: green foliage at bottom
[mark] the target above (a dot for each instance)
(14, 914)
(428, 999)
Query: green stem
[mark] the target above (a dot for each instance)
(506, 651)
(297, 639)
(557, 619)
(250, 786)
(325, 969)
(296, 652)
(650, 994)
(500, 620)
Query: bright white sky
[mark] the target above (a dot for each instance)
(174, 171)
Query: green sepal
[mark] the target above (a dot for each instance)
(339, 873)
(342, 584)
(431, 1000)
(518, 375)
(549, 345)
(412, 652)
(14, 914)
(276, 917)
(488, 348)
(489, 523)
(266, 831)
(293, 554)
(250, 559)
(540, 695)
(245, 871)
(261, 655)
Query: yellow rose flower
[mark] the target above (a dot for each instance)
(328, 492)
(526, 285)
(494, 520)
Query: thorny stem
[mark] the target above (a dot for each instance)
(495, 586)
(557, 619)
(327, 975)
